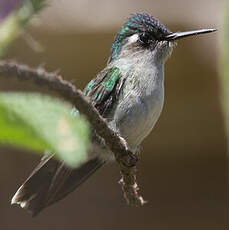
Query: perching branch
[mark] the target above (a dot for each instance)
(125, 158)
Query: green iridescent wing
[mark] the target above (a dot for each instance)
(104, 89)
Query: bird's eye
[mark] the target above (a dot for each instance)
(145, 39)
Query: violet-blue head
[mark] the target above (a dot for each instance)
(149, 32)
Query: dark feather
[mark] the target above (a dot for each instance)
(105, 89)
(51, 181)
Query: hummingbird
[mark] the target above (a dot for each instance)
(128, 93)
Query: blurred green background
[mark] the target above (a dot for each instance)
(183, 166)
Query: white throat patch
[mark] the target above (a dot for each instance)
(133, 38)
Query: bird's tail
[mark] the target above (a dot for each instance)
(51, 181)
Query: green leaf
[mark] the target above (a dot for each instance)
(41, 123)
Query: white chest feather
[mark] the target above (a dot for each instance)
(140, 102)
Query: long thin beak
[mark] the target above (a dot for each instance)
(179, 35)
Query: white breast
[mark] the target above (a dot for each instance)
(140, 102)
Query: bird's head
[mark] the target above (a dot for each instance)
(143, 33)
